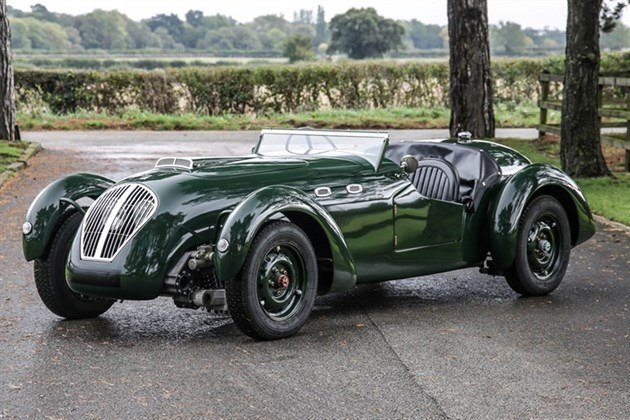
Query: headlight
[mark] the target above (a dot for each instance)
(27, 228)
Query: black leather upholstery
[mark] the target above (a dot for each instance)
(436, 178)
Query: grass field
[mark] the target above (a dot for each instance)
(10, 152)
(507, 115)
(607, 196)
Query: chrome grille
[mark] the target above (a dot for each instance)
(113, 219)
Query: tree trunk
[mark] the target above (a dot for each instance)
(580, 146)
(471, 80)
(7, 95)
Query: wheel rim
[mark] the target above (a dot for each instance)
(544, 243)
(281, 282)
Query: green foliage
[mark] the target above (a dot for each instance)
(425, 37)
(10, 151)
(103, 29)
(607, 196)
(321, 28)
(362, 33)
(508, 38)
(280, 88)
(298, 48)
(382, 118)
(32, 34)
(44, 30)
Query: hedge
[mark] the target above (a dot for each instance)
(276, 88)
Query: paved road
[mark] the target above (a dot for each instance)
(457, 345)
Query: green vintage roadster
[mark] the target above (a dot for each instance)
(308, 212)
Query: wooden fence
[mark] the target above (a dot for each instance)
(617, 111)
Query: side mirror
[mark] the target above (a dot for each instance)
(409, 164)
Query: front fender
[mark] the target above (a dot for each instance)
(245, 221)
(47, 208)
(513, 197)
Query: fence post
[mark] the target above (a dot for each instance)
(544, 95)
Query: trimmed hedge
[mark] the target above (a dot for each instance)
(278, 88)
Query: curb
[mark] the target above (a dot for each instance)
(615, 225)
(21, 163)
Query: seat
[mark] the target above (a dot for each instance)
(436, 178)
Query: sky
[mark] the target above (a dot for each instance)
(528, 13)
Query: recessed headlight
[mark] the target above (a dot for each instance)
(27, 228)
(223, 245)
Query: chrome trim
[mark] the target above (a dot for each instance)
(174, 162)
(338, 133)
(354, 188)
(113, 219)
(323, 191)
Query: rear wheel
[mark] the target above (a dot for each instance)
(50, 277)
(273, 296)
(542, 249)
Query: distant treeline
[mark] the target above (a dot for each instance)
(279, 88)
(42, 30)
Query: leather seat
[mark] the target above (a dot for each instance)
(436, 178)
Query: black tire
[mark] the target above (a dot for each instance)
(50, 277)
(264, 306)
(543, 248)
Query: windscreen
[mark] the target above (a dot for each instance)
(369, 146)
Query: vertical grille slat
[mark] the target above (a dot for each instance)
(94, 225)
(114, 219)
(123, 217)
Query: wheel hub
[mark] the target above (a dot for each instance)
(543, 243)
(282, 281)
(544, 246)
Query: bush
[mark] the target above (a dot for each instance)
(280, 88)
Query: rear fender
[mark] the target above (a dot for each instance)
(47, 208)
(518, 191)
(250, 215)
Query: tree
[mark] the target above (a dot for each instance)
(580, 146)
(321, 27)
(424, 37)
(102, 29)
(172, 23)
(362, 33)
(470, 77)
(7, 90)
(298, 48)
(510, 39)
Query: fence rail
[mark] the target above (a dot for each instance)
(618, 110)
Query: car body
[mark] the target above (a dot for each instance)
(185, 228)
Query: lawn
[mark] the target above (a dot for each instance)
(607, 196)
(507, 115)
(10, 152)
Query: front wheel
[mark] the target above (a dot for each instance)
(542, 249)
(50, 277)
(274, 294)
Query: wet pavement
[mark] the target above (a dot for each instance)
(458, 345)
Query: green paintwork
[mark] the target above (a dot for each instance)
(245, 221)
(517, 191)
(47, 208)
(387, 231)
